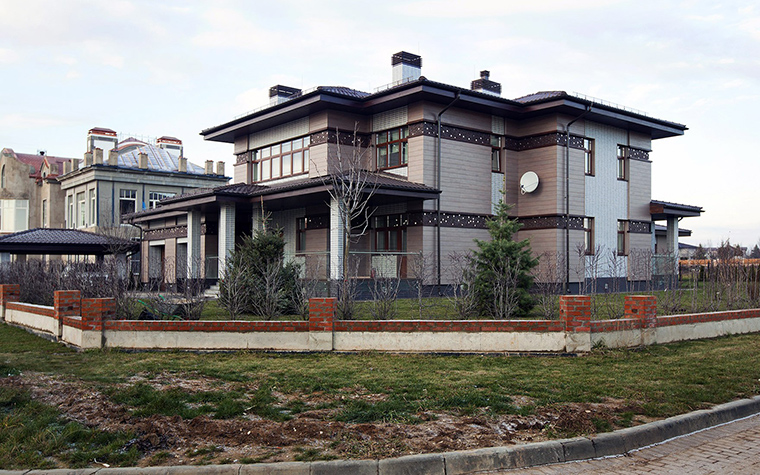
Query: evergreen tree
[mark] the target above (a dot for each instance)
(755, 254)
(700, 253)
(502, 269)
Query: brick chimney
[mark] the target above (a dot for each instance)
(143, 163)
(66, 167)
(406, 67)
(113, 158)
(182, 165)
(220, 168)
(209, 167)
(87, 159)
(485, 85)
(98, 156)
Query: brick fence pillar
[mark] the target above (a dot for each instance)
(66, 303)
(321, 318)
(644, 308)
(575, 312)
(8, 293)
(94, 312)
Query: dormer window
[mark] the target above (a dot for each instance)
(392, 148)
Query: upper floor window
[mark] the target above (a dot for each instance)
(14, 215)
(127, 201)
(82, 214)
(280, 160)
(93, 209)
(622, 155)
(155, 196)
(391, 148)
(2, 177)
(495, 153)
(588, 156)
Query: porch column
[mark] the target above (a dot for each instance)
(226, 233)
(671, 237)
(194, 244)
(256, 218)
(337, 244)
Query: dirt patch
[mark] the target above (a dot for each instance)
(313, 433)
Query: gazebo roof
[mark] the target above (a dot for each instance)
(64, 241)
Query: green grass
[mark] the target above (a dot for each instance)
(659, 381)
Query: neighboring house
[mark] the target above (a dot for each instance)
(440, 157)
(29, 191)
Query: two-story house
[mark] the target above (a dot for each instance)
(575, 169)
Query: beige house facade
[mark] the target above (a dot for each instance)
(576, 170)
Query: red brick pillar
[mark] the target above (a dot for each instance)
(94, 311)
(321, 318)
(644, 308)
(8, 293)
(575, 312)
(66, 303)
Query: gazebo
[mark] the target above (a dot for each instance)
(44, 241)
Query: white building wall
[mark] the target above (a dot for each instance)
(606, 196)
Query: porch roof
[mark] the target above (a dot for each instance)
(287, 193)
(45, 241)
(663, 210)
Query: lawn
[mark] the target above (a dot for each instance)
(345, 392)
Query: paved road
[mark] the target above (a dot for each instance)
(732, 448)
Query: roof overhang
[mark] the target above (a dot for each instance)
(661, 210)
(64, 242)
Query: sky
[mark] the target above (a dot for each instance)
(153, 68)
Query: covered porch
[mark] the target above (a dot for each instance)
(665, 240)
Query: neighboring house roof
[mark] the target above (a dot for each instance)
(159, 159)
(661, 230)
(541, 96)
(36, 162)
(64, 241)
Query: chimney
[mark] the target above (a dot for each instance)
(113, 158)
(406, 67)
(220, 168)
(182, 165)
(87, 159)
(66, 167)
(279, 94)
(76, 164)
(98, 156)
(54, 169)
(171, 144)
(485, 85)
(99, 137)
(209, 167)
(143, 164)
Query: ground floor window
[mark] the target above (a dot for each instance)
(588, 235)
(300, 234)
(390, 232)
(621, 238)
(127, 201)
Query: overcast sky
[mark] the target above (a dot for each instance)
(153, 68)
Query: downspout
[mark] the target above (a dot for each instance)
(438, 199)
(567, 197)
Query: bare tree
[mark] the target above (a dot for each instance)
(421, 270)
(549, 283)
(461, 276)
(384, 292)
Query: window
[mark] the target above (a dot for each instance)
(155, 196)
(588, 156)
(93, 209)
(300, 234)
(495, 153)
(392, 148)
(44, 213)
(70, 216)
(621, 238)
(82, 211)
(588, 235)
(281, 160)
(622, 154)
(127, 201)
(390, 232)
(2, 177)
(14, 215)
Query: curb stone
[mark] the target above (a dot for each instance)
(468, 461)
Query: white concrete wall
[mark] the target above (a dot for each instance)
(696, 331)
(32, 320)
(189, 340)
(617, 339)
(450, 341)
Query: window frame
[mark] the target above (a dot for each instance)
(301, 226)
(264, 158)
(386, 225)
(387, 142)
(155, 196)
(588, 236)
(124, 199)
(496, 154)
(81, 200)
(622, 237)
(93, 207)
(622, 163)
(589, 159)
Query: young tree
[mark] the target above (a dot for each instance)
(502, 268)
(755, 254)
(700, 253)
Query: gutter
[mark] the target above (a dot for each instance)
(438, 198)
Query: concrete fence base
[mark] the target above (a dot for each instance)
(91, 323)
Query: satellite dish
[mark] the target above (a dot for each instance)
(528, 182)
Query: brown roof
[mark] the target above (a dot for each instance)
(541, 96)
(63, 241)
(36, 161)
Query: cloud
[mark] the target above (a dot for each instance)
(491, 8)
(228, 28)
(23, 121)
(8, 56)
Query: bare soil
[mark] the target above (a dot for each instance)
(311, 434)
